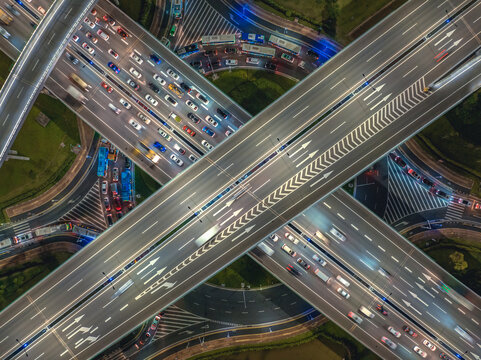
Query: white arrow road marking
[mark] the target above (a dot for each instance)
(324, 176)
(422, 288)
(234, 214)
(247, 230)
(454, 44)
(378, 88)
(310, 156)
(227, 204)
(73, 323)
(156, 274)
(414, 295)
(83, 330)
(167, 285)
(429, 278)
(380, 102)
(152, 262)
(475, 356)
(224, 214)
(448, 34)
(91, 339)
(408, 304)
(147, 273)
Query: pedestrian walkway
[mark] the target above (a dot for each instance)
(454, 211)
(407, 196)
(176, 319)
(201, 19)
(89, 211)
(21, 228)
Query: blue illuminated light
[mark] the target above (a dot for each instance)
(383, 299)
(448, 20)
(366, 83)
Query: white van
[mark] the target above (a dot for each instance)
(343, 281)
(321, 236)
(262, 245)
(365, 311)
(323, 276)
(288, 250)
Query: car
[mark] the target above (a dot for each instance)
(176, 160)
(343, 293)
(228, 133)
(252, 60)
(230, 50)
(463, 202)
(12, 10)
(291, 269)
(104, 187)
(88, 48)
(441, 193)
(288, 250)
(400, 162)
(383, 272)
(303, 264)
(444, 356)
(270, 66)
(151, 99)
(135, 73)
(93, 11)
(231, 62)
(202, 98)
(380, 308)
(122, 32)
(128, 163)
(196, 64)
(154, 88)
(192, 105)
(211, 121)
(192, 158)
(216, 63)
(287, 57)
(109, 220)
(290, 237)
(172, 74)
(75, 38)
(109, 19)
(133, 84)
(91, 37)
(320, 260)
(125, 103)
(119, 214)
(420, 352)
(186, 87)
(194, 118)
(410, 331)
(159, 79)
(394, 332)
(313, 54)
(103, 34)
(114, 108)
(337, 234)
(72, 58)
(274, 237)
(208, 131)
(188, 130)
(428, 182)
(477, 206)
(353, 316)
(89, 23)
(107, 204)
(113, 67)
(155, 58)
(159, 146)
(136, 57)
(169, 99)
(135, 124)
(164, 135)
(106, 87)
(206, 145)
(414, 174)
(114, 54)
(389, 342)
(210, 52)
(117, 203)
(222, 113)
(144, 118)
(115, 174)
(429, 345)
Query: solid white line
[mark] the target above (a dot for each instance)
(369, 266)
(108, 319)
(123, 307)
(405, 31)
(267, 137)
(406, 74)
(476, 19)
(103, 307)
(300, 112)
(338, 127)
(187, 198)
(474, 321)
(381, 248)
(433, 317)
(372, 255)
(342, 217)
(186, 243)
(394, 286)
(110, 257)
(461, 311)
(143, 232)
(37, 313)
(337, 84)
(440, 308)
(433, 289)
(441, 4)
(70, 288)
(261, 186)
(406, 282)
(38, 357)
(396, 260)
(408, 269)
(354, 227)
(6, 337)
(421, 280)
(95, 328)
(327, 205)
(372, 57)
(449, 301)
(6, 117)
(222, 172)
(367, 237)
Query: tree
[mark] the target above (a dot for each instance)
(457, 258)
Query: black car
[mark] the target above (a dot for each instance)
(186, 87)
(313, 54)
(230, 50)
(222, 113)
(154, 88)
(393, 156)
(428, 182)
(196, 64)
(293, 271)
(441, 193)
(72, 58)
(172, 101)
(127, 163)
(270, 66)
(210, 52)
(194, 118)
(109, 219)
(400, 162)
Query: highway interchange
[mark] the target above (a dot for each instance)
(257, 181)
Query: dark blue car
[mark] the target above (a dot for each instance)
(208, 131)
(113, 67)
(159, 146)
(155, 59)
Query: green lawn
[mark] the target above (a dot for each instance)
(252, 89)
(17, 279)
(49, 160)
(5, 66)
(144, 185)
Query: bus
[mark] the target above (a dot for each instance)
(187, 50)
(218, 39)
(79, 82)
(284, 44)
(258, 50)
(103, 163)
(173, 30)
(177, 9)
(253, 38)
(123, 288)
(209, 234)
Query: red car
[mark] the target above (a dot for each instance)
(380, 308)
(410, 331)
(122, 33)
(188, 130)
(106, 87)
(118, 205)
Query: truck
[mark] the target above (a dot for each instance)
(126, 180)
(209, 234)
(323, 276)
(4, 17)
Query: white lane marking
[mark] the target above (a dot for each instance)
(134, 132)
(108, 319)
(372, 57)
(476, 19)
(103, 307)
(187, 198)
(6, 118)
(380, 247)
(143, 232)
(342, 217)
(424, 282)
(367, 237)
(186, 243)
(338, 127)
(461, 311)
(267, 137)
(354, 227)
(449, 301)
(440, 308)
(110, 257)
(433, 316)
(369, 266)
(68, 12)
(98, 103)
(51, 38)
(441, 4)
(396, 260)
(327, 205)
(406, 282)
(123, 307)
(261, 186)
(78, 282)
(406, 74)
(299, 113)
(408, 269)
(38, 357)
(433, 289)
(32, 317)
(35, 65)
(125, 42)
(20, 92)
(405, 31)
(222, 172)
(474, 321)
(372, 255)
(62, 354)
(402, 292)
(5, 338)
(337, 84)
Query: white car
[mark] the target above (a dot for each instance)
(89, 23)
(343, 293)
(209, 119)
(135, 73)
(103, 34)
(170, 100)
(274, 237)
(137, 58)
(135, 124)
(192, 105)
(291, 238)
(394, 332)
(337, 234)
(429, 345)
(252, 60)
(418, 350)
(207, 145)
(88, 48)
(125, 103)
(176, 160)
(165, 135)
(159, 79)
(114, 54)
(320, 260)
(172, 74)
(151, 99)
(230, 62)
(104, 187)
